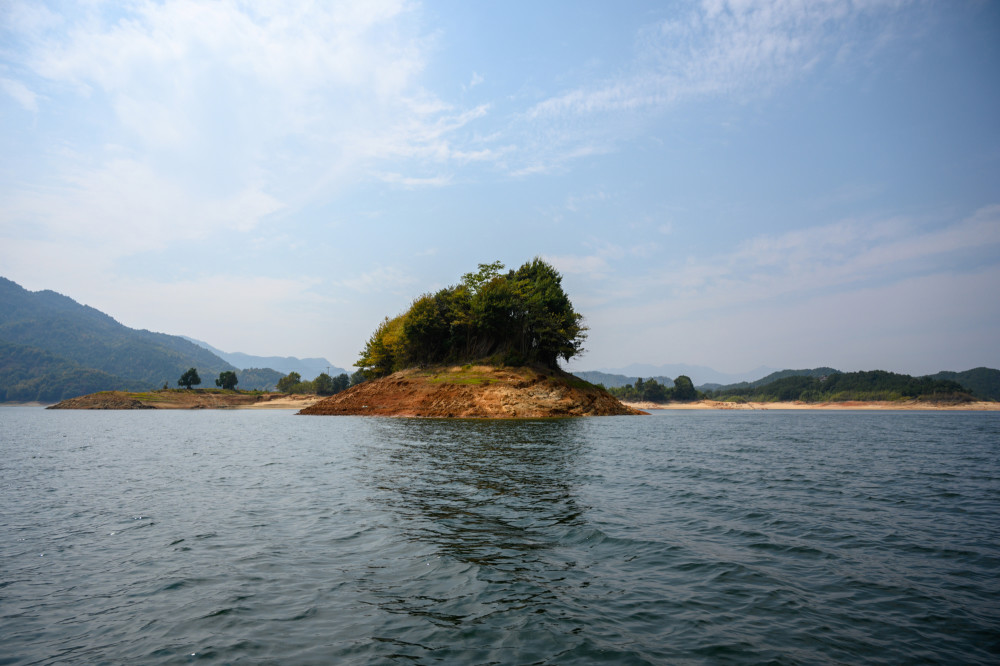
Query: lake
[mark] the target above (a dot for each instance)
(683, 537)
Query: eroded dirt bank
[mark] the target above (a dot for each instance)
(179, 399)
(474, 392)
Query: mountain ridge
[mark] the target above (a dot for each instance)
(308, 368)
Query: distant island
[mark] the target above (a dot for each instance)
(487, 347)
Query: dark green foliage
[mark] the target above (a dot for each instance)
(869, 385)
(341, 382)
(227, 380)
(289, 382)
(259, 379)
(984, 383)
(781, 374)
(96, 351)
(684, 389)
(324, 384)
(189, 378)
(521, 317)
(28, 374)
(649, 390)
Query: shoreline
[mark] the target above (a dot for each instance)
(853, 405)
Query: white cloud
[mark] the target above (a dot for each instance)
(264, 107)
(20, 93)
(125, 207)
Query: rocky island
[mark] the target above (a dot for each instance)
(486, 348)
(474, 391)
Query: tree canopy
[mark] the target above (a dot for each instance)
(189, 378)
(515, 318)
(288, 383)
(227, 380)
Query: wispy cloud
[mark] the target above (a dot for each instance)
(20, 92)
(206, 117)
(382, 278)
(844, 256)
(711, 49)
(722, 47)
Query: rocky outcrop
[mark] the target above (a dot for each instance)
(474, 392)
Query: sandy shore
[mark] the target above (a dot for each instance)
(290, 402)
(909, 405)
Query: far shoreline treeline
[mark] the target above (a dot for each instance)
(868, 386)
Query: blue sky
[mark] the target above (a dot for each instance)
(729, 184)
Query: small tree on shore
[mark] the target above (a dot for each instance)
(189, 378)
(287, 383)
(227, 380)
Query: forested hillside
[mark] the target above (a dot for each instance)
(983, 382)
(55, 348)
(29, 374)
(839, 387)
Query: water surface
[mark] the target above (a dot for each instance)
(682, 537)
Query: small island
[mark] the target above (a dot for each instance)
(486, 348)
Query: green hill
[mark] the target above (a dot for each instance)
(983, 382)
(838, 387)
(55, 347)
(29, 374)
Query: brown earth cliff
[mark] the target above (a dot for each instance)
(474, 391)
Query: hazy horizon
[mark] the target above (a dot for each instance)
(721, 184)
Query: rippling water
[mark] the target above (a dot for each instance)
(682, 537)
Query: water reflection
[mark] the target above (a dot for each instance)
(484, 492)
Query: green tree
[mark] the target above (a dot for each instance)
(227, 380)
(341, 382)
(520, 317)
(189, 378)
(287, 383)
(684, 389)
(323, 384)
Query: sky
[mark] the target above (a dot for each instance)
(727, 183)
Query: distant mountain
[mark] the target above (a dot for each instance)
(609, 380)
(55, 348)
(699, 374)
(775, 376)
(308, 368)
(982, 382)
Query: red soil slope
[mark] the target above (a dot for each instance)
(474, 392)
